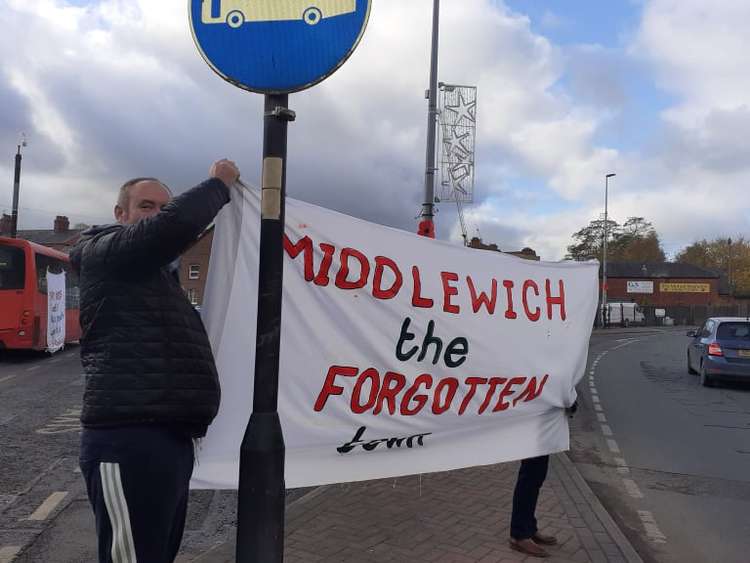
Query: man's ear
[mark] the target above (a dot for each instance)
(120, 214)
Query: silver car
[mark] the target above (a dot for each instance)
(720, 349)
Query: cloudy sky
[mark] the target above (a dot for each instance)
(656, 91)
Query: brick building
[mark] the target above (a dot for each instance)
(663, 284)
(194, 267)
(60, 237)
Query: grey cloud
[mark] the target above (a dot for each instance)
(598, 76)
(506, 237)
(15, 119)
(358, 144)
(720, 145)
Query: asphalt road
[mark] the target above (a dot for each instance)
(668, 458)
(39, 432)
(44, 510)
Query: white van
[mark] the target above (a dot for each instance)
(621, 313)
(237, 12)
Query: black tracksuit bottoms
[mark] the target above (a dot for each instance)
(531, 477)
(137, 479)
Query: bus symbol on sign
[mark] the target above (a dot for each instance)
(235, 13)
(286, 46)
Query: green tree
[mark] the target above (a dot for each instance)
(730, 256)
(588, 241)
(635, 241)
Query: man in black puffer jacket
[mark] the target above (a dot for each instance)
(150, 382)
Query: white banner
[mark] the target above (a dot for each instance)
(399, 354)
(640, 287)
(55, 311)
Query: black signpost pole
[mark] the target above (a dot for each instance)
(16, 184)
(260, 510)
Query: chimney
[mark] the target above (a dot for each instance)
(6, 222)
(62, 224)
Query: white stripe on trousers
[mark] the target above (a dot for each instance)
(123, 547)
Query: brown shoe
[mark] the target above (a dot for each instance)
(541, 539)
(528, 547)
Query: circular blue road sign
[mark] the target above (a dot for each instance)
(277, 46)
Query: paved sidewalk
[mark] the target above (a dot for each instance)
(457, 516)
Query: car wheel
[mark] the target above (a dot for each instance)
(312, 16)
(235, 19)
(706, 380)
(690, 368)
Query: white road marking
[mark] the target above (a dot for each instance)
(7, 378)
(48, 506)
(606, 430)
(613, 447)
(601, 417)
(632, 488)
(32, 368)
(598, 407)
(652, 530)
(8, 554)
(69, 421)
(625, 344)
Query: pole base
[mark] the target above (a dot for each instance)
(260, 499)
(426, 228)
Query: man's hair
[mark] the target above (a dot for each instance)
(124, 196)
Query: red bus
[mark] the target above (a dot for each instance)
(23, 294)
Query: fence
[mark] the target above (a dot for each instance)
(694, 315)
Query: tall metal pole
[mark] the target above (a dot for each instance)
(260, 503)
(16, 187)
(729, 265)
(426, 223)
(605, 311)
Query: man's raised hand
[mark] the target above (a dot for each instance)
(225, 170)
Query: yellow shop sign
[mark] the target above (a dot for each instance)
(685, 287)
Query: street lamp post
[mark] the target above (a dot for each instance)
(605, 312)
(426, 224)
(729, 266)
(16, 187)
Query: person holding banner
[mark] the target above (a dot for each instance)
(524, 533)
(151, 386)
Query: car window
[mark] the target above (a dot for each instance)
(734, 331)
(707, 329)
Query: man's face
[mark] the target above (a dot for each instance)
(146, 200)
